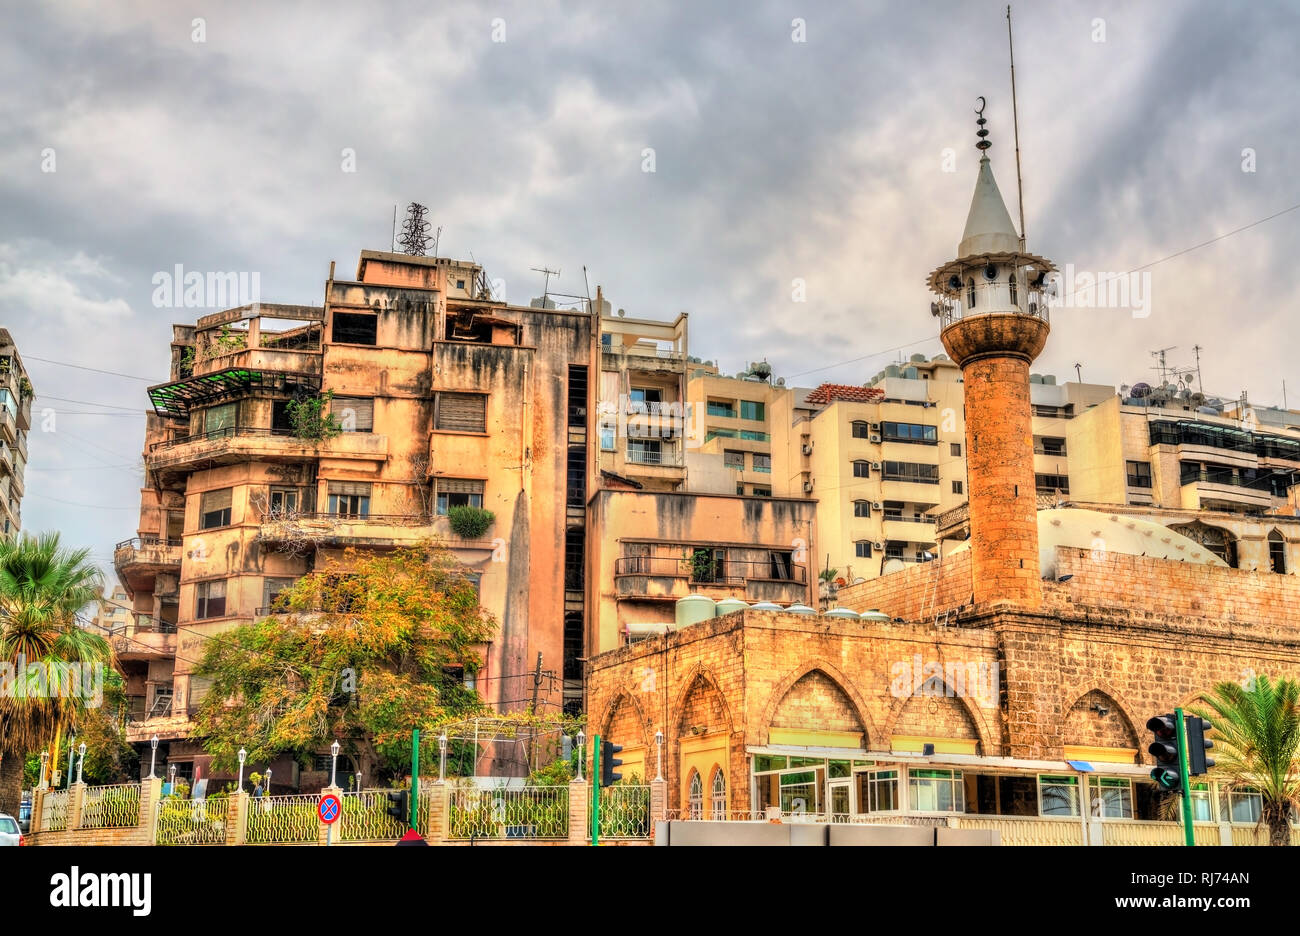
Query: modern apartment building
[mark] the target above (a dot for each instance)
(735, 455)
(15, 420)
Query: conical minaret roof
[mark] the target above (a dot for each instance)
(988, 225)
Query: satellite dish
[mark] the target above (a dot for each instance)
(1141, 390)
(622, 312)
(780, 381)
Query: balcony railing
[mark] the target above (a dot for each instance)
(896, 518)
(992, 298)
(709, 572)
(136, 542)
(670, 458)
(224, 433)
(1049, 450)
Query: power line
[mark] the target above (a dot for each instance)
(133, 409)
(96, 370)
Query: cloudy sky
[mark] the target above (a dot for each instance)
(525, 128)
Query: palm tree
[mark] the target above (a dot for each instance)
(1257, 744)
(42, 587)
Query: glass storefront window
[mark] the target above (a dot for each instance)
(882, 790)
(1114, 798)
(1058, 796)
(1245, 805)
(766, 762)
(839, 768)
(931, 790)
(1201, 805)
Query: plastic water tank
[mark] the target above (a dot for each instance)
(875, 614)
(800, 609)
(728, 605)
(765, 606)
(695, 608)
(845, 613)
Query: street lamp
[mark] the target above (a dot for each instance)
(268, 781)
(442, 757)
(153, 755)
(659, 755)
(582, 742)
(334, 762)
(72, 745)
(45, 757)
(81, 762)
(243, 755)
(171, 776)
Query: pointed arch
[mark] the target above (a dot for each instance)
(832, 673)
(1096, 719)
(612, 714)
(978, 723)
(699, 676)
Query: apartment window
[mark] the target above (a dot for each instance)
(645, 451)
(281, 421)
(762, 491)
(1202, 806)
(861, 430)
(954, 449)
(1277, 552)
(882, 791)
(1049, 445)
(740, 489)
(723, 408)
(210, 599)
(1113, 798)
(721, 434)
(909, 432)
(862, 469)
(957, 487)
(458, 492)
(719, 795)
(696, 797)
(931, 790)
(645, 399)
(1052, 483)
(781, 566)
(607, 438)
(214, 508)
(753, 435)
(911, 471)
(285, 502)
(1058, 796)
(862, 549)
(1139, 473)
(355, 414)
(762, 462)
(349, 498)
(219, 421)
(461, 412)
(752, 409)
(273, 588)
(355, 328)
(1245, 805)
(861, 508)
(733, 459)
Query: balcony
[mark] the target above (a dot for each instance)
(642, 359)
(312, 530)
(244, 443)
(908, 529)
(140, 560)
(667, 458)
(6, 456)
(290, 361)
(144, 640)
(1225, 490)
(668, 578)
(8, 426)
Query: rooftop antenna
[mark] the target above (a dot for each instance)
(546, 283)
(415, 231)
(1078, 371)
(1196, 349)
(437, 236)
(1160, 354)
(393, 248)
(1015, 121)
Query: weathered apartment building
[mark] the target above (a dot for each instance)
(15, 421)
(566, 425)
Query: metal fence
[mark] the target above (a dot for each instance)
(624, 812)
(282, 820)
(190, 822)
(54, 811)
(111, 807)
(540, 812)
(365, 818)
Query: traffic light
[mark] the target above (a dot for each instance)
(607, 763)
(1197, 745)
(1168, 770)
(399, 805)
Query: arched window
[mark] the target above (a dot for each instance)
(1277, 552)
(970, 292)
(862, 469)
(696, 796)
(719, 797)
(861, 508)
(861, 430)
(1011, 282)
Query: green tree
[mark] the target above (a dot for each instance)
(312, 420)
(1257, 744)
(361, 654)
(42, 587)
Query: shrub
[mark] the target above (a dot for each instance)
(469, 522)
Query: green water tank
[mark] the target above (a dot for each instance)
(766, 606)
(728, 605)
(842, 613)
(800, 609)
(695, 608)
(875, 614)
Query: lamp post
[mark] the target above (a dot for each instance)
(659, 755)
(268, 781)
(153, 755)
(45, 757)
(582, 742)
(72, 750)
(442, 757)
(243, 755)
(334, 762)
(81, 761)
(171, 776)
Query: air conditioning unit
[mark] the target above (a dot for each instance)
(807, 487)
(875, 438)
(878, 545)
(875, 505)
(807, 449)
(875, 427)
(875, 466)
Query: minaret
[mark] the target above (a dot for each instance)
(994, 323)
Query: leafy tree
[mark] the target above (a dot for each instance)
(42, 587)
(312, 420)
(361, 655)
(1257, 744)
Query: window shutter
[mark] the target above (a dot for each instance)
(362, 411)
(464, 412)
(359, 488)
(459, 486)
(215, 500)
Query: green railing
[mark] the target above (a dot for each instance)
(540, 812)
(365, 818)
(111, 807)
(282, 820)
(54, 811)
(190, 822)
(624, 812)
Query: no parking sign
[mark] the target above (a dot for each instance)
(328, 808)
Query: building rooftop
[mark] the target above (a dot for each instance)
(829, 393)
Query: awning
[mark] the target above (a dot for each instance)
(176, 399)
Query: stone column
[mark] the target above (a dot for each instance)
(579, 797)
(76, 796)
(38, 806)
(150, 793)
(437, 830)
(658, 800)
(237, 818)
